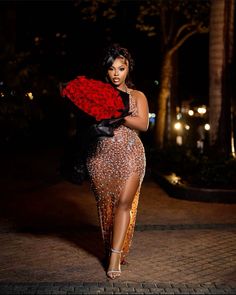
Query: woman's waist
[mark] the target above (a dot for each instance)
(122, 129)
(124, 133)
(122, 136)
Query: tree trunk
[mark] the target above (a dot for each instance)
(219, 96)
(225, 122)
(170, 134)
(164, 94)
(216, 55)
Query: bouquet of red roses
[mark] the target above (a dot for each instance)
(104, 103)
(94, 97)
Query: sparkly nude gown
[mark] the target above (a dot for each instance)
(110, 162)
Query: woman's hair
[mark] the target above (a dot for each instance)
(111, 53)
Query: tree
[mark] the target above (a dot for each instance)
(220, 65)
(175, 22)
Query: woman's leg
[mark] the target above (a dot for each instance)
(105, 208)
(130, 231)
(121, 221)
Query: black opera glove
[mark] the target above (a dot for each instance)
(116, 122)
(105, 128)
(100, 129)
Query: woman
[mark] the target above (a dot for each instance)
(116, 164)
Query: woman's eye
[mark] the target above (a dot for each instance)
(122, 69)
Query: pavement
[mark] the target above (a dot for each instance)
(50, 240)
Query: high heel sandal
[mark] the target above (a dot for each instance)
(114, 273)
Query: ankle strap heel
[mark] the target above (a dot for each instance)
(114, 273)
(116, 251)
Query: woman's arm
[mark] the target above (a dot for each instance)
(141, 120)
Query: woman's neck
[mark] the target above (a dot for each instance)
(123, 88)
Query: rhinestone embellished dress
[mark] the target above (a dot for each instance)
(110, 162)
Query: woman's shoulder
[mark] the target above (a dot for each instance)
(137, 94)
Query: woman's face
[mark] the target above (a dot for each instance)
(118, 72)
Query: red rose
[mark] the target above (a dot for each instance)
(94, 97)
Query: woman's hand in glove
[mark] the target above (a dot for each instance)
(100, 129)
(105, 128)
(116, 122)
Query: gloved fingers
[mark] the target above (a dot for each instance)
(97, 130)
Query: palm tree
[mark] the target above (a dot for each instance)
(220, 61)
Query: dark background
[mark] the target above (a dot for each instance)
(53, 44)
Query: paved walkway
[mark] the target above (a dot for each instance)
(50, 240)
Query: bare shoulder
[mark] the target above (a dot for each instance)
(137, 95)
